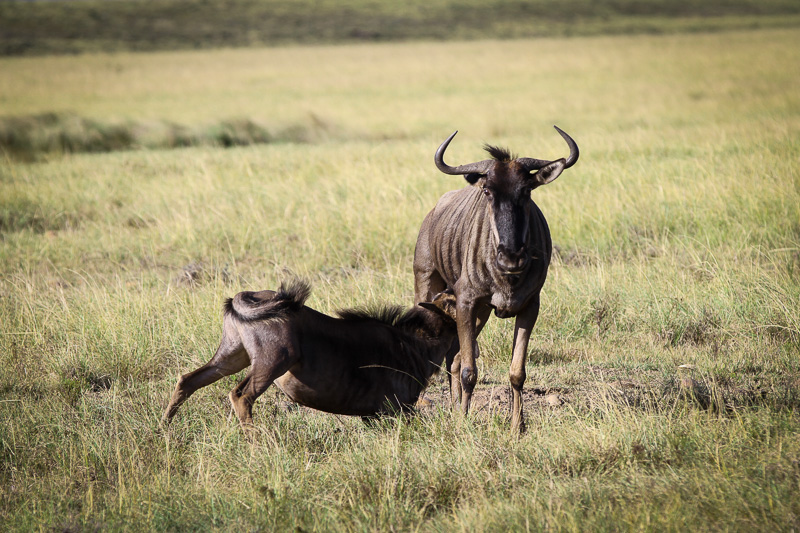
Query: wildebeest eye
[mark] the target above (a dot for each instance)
(486, 191)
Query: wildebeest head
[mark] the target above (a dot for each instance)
(506, 182)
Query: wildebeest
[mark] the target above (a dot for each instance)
(490, 243)
(364, 363)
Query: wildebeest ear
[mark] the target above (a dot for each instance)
(430, 306)
(473, 177)
(549, 172)
(443, 304)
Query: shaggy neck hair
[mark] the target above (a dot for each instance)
(420, 352)
(416, 321)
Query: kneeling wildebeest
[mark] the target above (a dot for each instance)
(490, 243)
(364, 363)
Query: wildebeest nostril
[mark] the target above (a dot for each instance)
(504, 252)
(511, 262)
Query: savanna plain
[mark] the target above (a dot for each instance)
(663, 388)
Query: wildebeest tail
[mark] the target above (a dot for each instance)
(250, 306)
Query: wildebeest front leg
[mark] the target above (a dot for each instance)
(516, 374)
(454, 364)
(466, 317)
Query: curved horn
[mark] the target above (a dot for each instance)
(481, 167)
(573, 148)
(531, 164)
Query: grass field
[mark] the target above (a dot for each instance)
(670, 323)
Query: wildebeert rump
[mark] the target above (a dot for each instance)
(362, 363)
(490, 243)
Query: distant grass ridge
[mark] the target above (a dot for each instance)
(32, 137)
(95, 25)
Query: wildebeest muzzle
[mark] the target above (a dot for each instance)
(511, 263)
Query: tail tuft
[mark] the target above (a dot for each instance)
(250, 306)
(227, 307)
(295, 294)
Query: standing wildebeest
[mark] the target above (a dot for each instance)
(490, 243)
(363, 363)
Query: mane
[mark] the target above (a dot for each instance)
(413, 320)
(416, 322)
(388, 314)
(498, 154)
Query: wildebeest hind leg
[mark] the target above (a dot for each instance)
(427, 285)
(229, 359)
(266, 368)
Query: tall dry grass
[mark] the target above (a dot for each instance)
(669, 325)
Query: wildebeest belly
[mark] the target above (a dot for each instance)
(356, 392)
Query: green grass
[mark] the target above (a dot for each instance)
(670, 323)
(100, 26)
